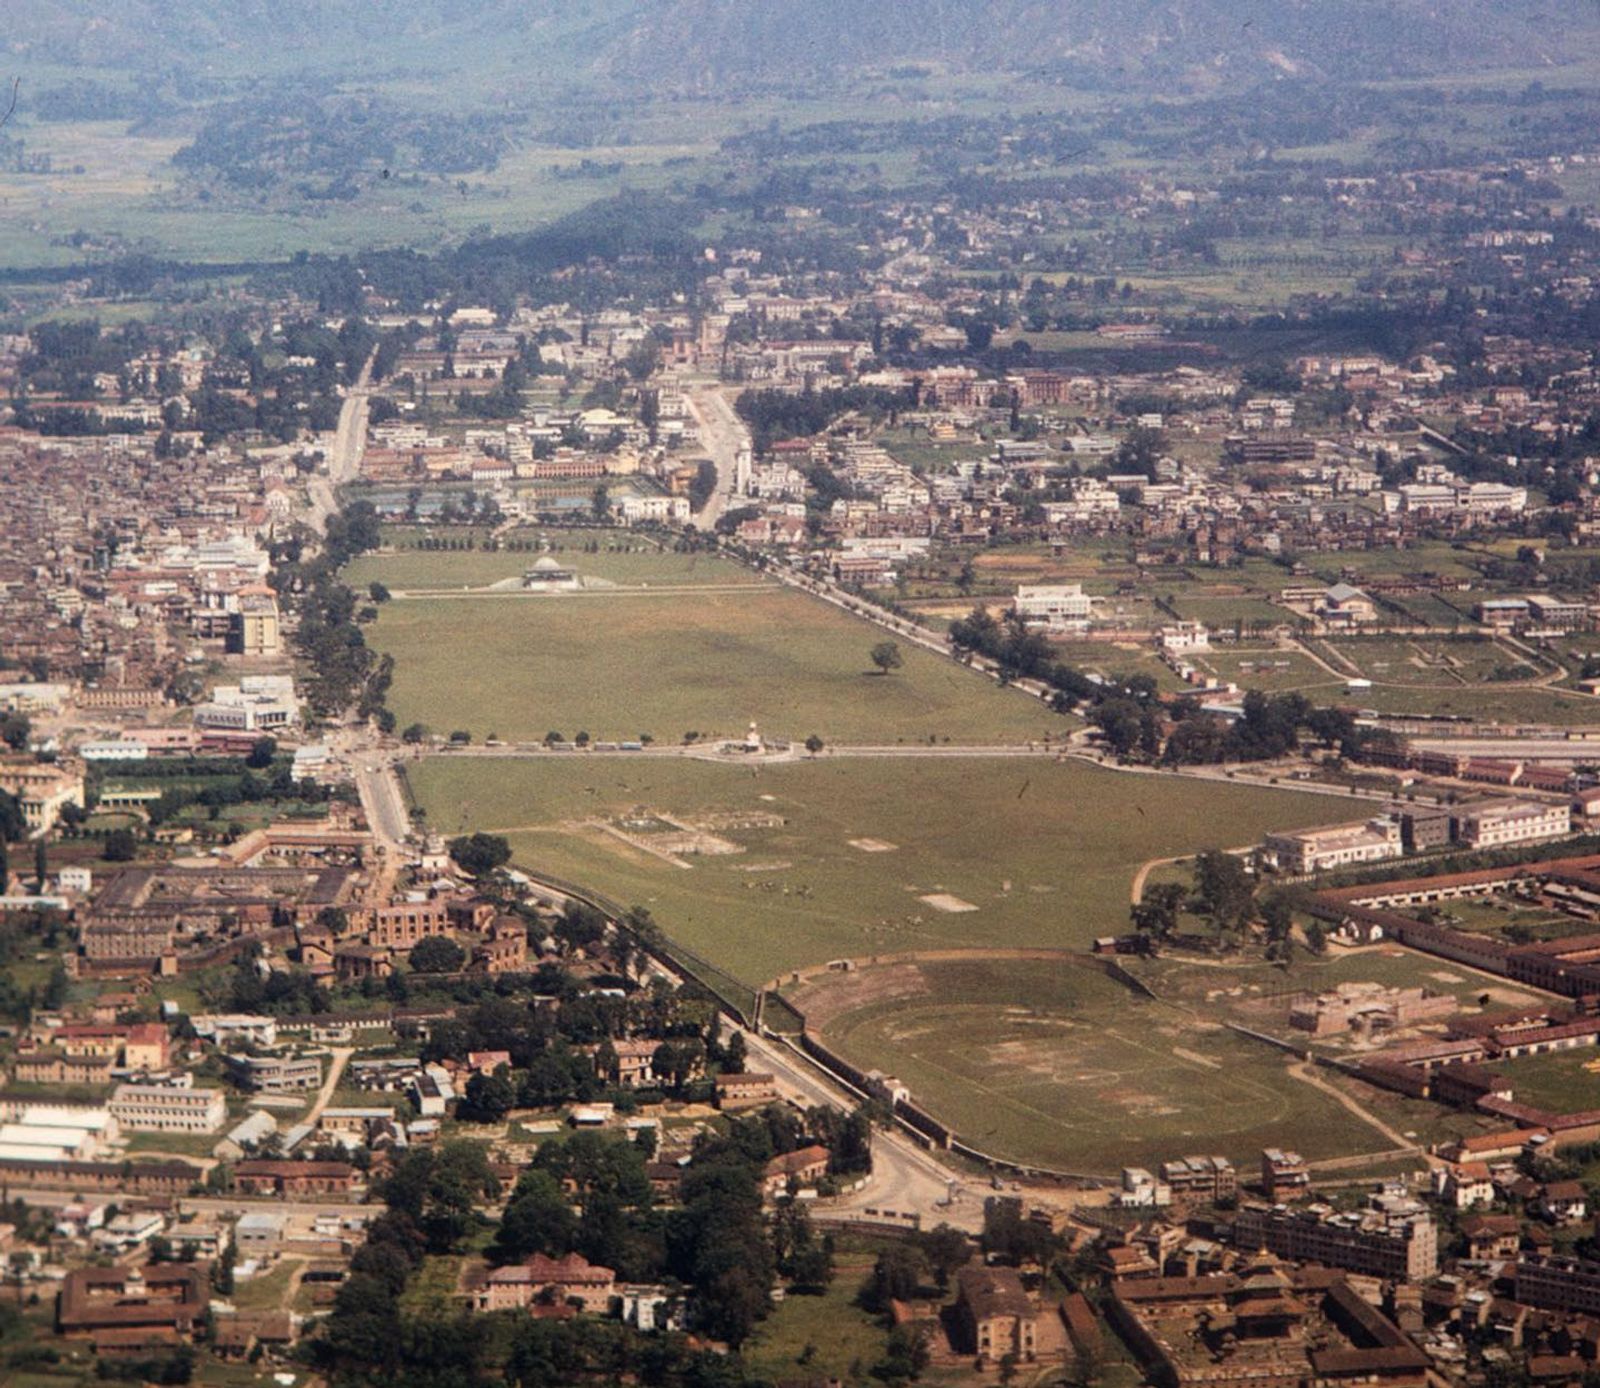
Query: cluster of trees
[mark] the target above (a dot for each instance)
(431, 1197)
(281, 993)
(330, 146)
(246, 788)
(589, 1194)
(546, 1037)
(903, 1270)
(479, 853)
(22, 935)
(343, 670)
(1270, 726)
(1223, 893)
(773, 415)
(1023, 654)
(1129, 716)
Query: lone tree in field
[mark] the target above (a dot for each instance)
(886, 656)
(813, 744)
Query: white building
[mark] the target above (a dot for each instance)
(222, 1027)
(37, 1142)
(1058, 606)
(1500, 822)
(114, 751)
(258, 703)
(1141, 1190)
(1464, 1185)
(661, 509)
(33, 698)
(1334, 846)
(152, 1108)
(1185, 636)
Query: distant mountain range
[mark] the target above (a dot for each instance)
(709, 43)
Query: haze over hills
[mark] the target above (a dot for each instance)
(693, 43)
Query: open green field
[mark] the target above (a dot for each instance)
(839, 1334)
(1045, 851)
(618, 665)
(1435, 661)
(1489, 702)
(1063, 1066)
(1560, 1082)
(1119, 660)
(1260, 995)
(614, 560)
(1225, 612)
(1273, 670)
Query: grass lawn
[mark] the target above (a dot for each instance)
(1226, 613)
(1491, 702)
(615, 559)
(432, 1290)
(1560, 1081)
(1435, 661)
(182, 1144)
(266, 1292)
(618, 666)
(839, 1333)
(1120, 660)
(1045, 851)
(1272, 670)
(1063, 1066)
(1261, 994)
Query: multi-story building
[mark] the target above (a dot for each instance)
(1059, 606)
(116, 941)
(1200, 1178)
(1336, 845)
(504, 950)
(47, 1065)
(150, 1108)
(42, 792)
(406, 923)
(1397, 1240)
(1284, 1175)
(253, 629)
(1559, 614)
(568, 1279)
(999, 1318)
(222, 1027)
(1558, 1283)
(275, 1074)
(1496, 823)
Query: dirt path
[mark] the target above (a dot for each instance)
(1136, 892)
(341, 1058)
(1307, 1073)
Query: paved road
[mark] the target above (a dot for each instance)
(344, 457)
(664, 590)
(383, 801)
(723, 437)
(707, 752)
(905, 1179)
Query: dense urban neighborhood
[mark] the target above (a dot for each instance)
(902, 718)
